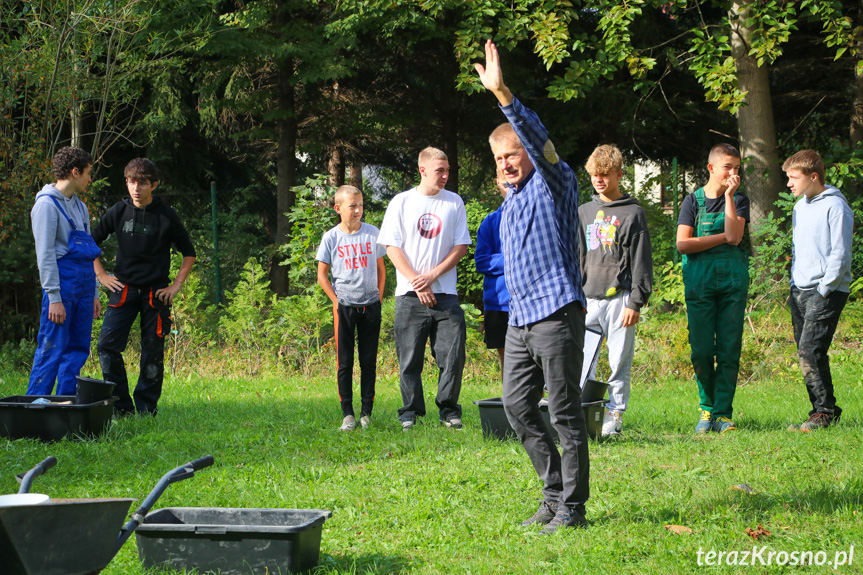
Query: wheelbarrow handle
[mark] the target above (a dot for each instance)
(180, 473)
(201, 463)
(27, 479)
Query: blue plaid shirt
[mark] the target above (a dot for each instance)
(539, 228)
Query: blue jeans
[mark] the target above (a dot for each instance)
(444, 327)
(814, 319)
(550, 353)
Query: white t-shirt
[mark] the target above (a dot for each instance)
(354, 264)
(426, 228)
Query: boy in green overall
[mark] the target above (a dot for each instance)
(710, 228)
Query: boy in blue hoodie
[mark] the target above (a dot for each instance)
(488, 259)
(820, 278)
(64, 253)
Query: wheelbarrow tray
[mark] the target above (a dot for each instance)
(20, 417)
(231, 541)
(61, 537)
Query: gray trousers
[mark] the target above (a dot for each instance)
(550, 353)
(606, 317)
(444, 327)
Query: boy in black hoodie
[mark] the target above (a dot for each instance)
(617, 270)
(145, 229)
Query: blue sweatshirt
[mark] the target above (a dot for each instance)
(488, 259)
(821, 252)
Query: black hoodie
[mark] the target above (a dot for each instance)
(144, 239)
(615, 252)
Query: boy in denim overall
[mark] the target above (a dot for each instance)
(65, 253)
(710, 229)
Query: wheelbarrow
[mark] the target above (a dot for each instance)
(73, 536)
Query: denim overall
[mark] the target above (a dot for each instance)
(63, 349)
(716, 283)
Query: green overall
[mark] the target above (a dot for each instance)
(716, 283)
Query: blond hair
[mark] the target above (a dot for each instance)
(343, 192)
(503, 134)
(807, 161)
(429, 154)
(605, 159)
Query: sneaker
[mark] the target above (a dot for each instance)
(817, 421)
(348, 423)
(365, 421)
(723, 424)
(407, 425)
(543, 515)
(564, 520)
(612, 425)
(705, 422)
(452, 423)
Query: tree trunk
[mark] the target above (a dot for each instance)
(857, 105)
(755, 121)
(76, 124)
(286, 172)
(336, 166)
(357, 174)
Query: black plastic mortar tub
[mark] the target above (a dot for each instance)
(231, 541)
(62, 417)
(494, 422)
(89, 390)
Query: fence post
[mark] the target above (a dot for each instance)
(674, 254)
(216, 266)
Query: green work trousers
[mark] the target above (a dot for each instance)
(716, 283)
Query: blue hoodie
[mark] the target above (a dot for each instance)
(51, 232)
(821, 253)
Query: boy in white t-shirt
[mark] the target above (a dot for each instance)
(351, 254)
(425, 233)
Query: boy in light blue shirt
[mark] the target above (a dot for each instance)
(820, 278)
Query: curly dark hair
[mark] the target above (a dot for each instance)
(68, 158)
(141, 170)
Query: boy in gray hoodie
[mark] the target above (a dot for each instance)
(820, 278)
(64, 254)
(617, 269)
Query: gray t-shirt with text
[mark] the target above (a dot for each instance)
(353, 260)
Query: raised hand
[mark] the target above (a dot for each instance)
(491, 74)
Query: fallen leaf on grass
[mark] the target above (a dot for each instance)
(744, 487)
(678, 529)
(756, 533)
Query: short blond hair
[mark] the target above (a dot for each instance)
(503, 134)
(429, 154)
(605, 159)
(343, 192)
(807, 161)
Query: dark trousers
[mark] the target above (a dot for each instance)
(365, 322)
(444, 327)
(123, 308)
(550, 353)
(814, 318)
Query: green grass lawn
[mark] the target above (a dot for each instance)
(442, 501)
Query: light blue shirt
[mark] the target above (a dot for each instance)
(821, 252)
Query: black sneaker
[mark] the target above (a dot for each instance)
(564, 519)
(543, 515)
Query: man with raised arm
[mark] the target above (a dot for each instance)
(545, 339)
